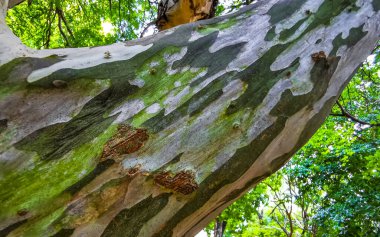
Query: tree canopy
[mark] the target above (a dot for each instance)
(71, 23)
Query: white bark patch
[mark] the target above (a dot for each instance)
(254, 48)
(207, 81)
(190, 138)
(197, 140)
(307, 46)
(10, 46)
(32, 111)
(195, 35)
(184, 69)
(201, 74)
(137, 82)
(301, 83)
(89, 57)
(127, 110)
(171, 58)
(350, 59)
(177, 84)
(14, 159)
(262, 119)
(153, 64)
(174, 98)
(154, 108)
(3, 9)
(298, 15)
(253, 125)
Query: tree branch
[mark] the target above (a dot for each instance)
(283, 228)
(62, 16)
(345, 113)
(48, 27)
(61, 30)
(146, 28)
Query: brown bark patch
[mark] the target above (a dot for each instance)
(318, 56)
(92, 206)
(182, 182)
(133, 171)
(127, 140)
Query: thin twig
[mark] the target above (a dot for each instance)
(146, 28)
(346, 114)
(48, 29)
(61, 31)
(62, 16)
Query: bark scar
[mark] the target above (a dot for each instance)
(182, 182)
(318, 56)
(127, 140)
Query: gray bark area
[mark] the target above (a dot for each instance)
(13, 3)
(155, 137)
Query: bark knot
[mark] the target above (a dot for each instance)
(3, 125)
(107, 55)
(318, 56)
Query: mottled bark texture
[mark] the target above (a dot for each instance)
(155, 137)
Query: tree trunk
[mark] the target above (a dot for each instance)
(219, 227)
(155, 137)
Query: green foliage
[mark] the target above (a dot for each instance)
(78, 23)
(340, 167)
(236, 214)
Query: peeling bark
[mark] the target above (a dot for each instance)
(154, 137)
(172, 13)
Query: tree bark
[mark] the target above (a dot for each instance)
(13, 3)
(155, 137)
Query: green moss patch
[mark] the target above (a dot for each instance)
(207, 29)
(38, 188)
